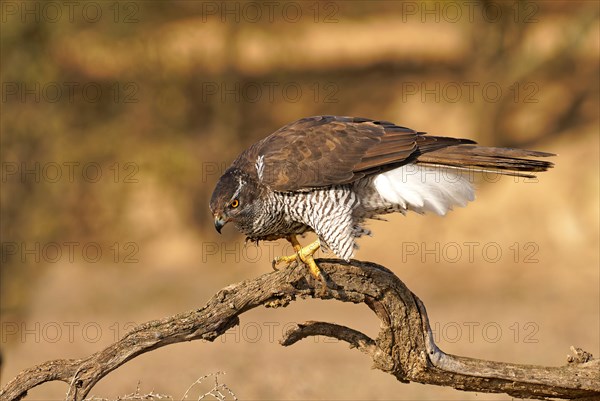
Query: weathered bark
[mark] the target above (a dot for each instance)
(403, 348)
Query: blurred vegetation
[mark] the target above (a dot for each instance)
(159, 112)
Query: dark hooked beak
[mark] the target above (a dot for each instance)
(219, 223)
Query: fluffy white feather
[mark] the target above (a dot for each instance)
(425, 189)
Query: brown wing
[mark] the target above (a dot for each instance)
(327, 150)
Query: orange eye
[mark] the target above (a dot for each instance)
(235, 203)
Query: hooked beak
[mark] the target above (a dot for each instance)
(219, 223)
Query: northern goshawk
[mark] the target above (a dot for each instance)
(329, 174)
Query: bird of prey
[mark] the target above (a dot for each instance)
(329, 174)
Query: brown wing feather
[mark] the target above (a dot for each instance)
(502, 160)
(326, 150)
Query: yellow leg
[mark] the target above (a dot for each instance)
(304, 254)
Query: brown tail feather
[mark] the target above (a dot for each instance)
(506, 161)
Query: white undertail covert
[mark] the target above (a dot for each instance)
(425, 189)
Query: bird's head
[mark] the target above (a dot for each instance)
(233, 200)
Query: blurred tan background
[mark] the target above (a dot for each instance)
(118, 118)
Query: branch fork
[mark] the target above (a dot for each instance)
(403, 348)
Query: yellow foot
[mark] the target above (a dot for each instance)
(313, 267)
(304, 254)
(288, 260)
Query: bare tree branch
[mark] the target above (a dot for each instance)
(403, 348)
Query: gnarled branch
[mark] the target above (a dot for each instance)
(403, 348)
